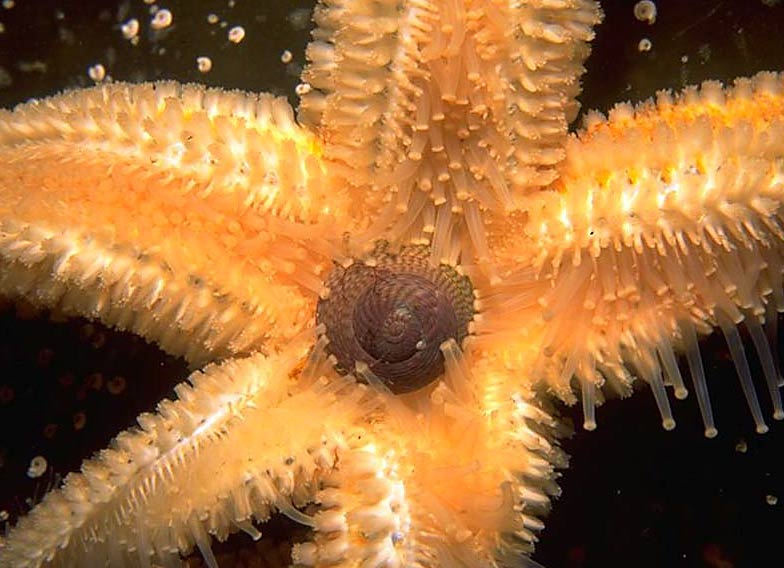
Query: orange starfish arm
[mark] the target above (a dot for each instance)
(436, 108)
(176, 480)
(193, 217)
(666, 223)
(467, 490)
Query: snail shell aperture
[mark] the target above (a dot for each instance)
(392, 313)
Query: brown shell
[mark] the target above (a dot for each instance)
(393, 311)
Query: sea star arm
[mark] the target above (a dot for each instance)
(363, 516)
(468, 489)
(178, 479)
(437, 108)
(666, 223)
(195, 217)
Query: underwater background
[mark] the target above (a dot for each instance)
(634, 495)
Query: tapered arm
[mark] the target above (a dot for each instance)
(665, 224)
(176, 480)
(435, 111)
(194, 217)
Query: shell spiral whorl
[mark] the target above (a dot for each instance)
(393, 312)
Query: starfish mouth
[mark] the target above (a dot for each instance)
(388, 316)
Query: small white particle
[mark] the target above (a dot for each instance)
(303, 89)
(236, 34)
(162, 19)
(645, 11)
(685, 59)
(204, 64)
(771, 499)
(3, 515)
(286, 56)
(212, 18)
(96, 72)
(644, 45)
(741, 447)
(37, 467)
(130, 28)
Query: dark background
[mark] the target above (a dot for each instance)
(634, 495)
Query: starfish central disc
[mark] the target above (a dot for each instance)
(392, 312)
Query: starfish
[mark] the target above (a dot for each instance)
(434, 143)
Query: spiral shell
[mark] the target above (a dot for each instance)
(392, 312)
